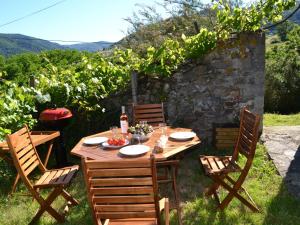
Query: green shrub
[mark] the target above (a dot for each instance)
(282, 87)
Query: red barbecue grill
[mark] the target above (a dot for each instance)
(57, 119)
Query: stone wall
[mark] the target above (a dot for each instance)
(214, 88)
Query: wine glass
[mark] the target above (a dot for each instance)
(114, 131)
(163, 128)
(137, 135)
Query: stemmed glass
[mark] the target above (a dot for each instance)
(114, 131)
(137, 135)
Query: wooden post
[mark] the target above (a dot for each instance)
(134, 85)
(32, 81)
(196, 26)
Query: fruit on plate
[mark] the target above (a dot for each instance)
(116, 141)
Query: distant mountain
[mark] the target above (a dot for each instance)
(92, 46)
(11, 44)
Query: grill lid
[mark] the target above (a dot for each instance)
(55, 114)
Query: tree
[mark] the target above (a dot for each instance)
(148, 28)
(283, 29)
(282, 86)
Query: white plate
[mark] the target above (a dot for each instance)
(94, 140)
(133, 150)
(182, 136)
(106, 145)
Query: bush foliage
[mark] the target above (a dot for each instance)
(282, 85)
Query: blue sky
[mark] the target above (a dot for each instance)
(71, 20)
(83, 20)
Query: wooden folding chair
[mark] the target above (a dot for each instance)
(124, 192)
(219, 168)
(154, 114)
(27, 160)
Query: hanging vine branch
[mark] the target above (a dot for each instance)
(282, 21)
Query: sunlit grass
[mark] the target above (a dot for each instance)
(263, 183)
(281, 120)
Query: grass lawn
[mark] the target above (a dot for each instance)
(281, 120)
(263, 183)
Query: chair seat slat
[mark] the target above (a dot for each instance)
(122, 190)
(218, 164)
(132, 221)
(42, 179)
(56, 177)
(124, 207)
(71, 174)
(50, 176)
(123, 199)
(63, 175)
(117, 164)
(121, 181)
(123, 215)
(120, 172)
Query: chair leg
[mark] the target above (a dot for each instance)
(46, 206)
(176, 194)
(48, 153)
(212, 189)
(13, 189)
(69, 198)
(233, 192)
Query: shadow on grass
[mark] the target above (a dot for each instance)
(285, 206)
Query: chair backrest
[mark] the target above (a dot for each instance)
(122, 189)
(248, 136)
(152, 113)
(24, 153)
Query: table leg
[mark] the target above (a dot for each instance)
(13, 189)
(48, 153)
(176, 194)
